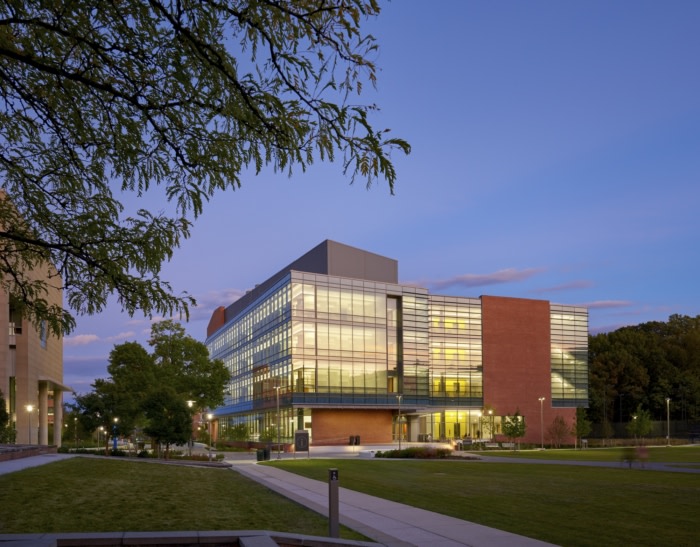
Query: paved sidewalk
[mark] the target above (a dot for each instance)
(10, 466)
(389, 523)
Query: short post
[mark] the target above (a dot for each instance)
(333, 521)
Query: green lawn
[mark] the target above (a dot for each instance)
(679, 454)
(107, 495)
(565, 505)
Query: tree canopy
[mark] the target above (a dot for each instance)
(151, 390)
(99, 100)
(644, 365)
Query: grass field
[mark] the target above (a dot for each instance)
(107, 495)
(667, 454)
(561, 504)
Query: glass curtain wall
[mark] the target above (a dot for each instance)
(569, 368)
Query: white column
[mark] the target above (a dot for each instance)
(43, 438)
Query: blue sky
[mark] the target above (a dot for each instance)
(556, 155)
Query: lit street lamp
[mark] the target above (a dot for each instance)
(114, 435)
(491, 422)
(189, 441)
(30, 409)
(668, 422)
(277, 388)
(541, 400)
(209, 417)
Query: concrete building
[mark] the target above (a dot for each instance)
(31, 374)
(335, 345)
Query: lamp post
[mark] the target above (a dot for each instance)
(75, 431)
(491, 422)
(277, 389)
(209, 417)
(189, 441)
(114, 434)
(30, 409)
(668, 422)
(99, 436)
(399, 397)
(541, 400)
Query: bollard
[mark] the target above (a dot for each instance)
(333, 521)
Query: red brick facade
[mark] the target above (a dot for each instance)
(516, 361)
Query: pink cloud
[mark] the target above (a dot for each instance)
(509, 275)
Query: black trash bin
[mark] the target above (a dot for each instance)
(259, 454)
(266, 454)
(352, 440)
(357, 440)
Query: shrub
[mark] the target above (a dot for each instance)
(418, 452)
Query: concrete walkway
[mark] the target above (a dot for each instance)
(389, 523)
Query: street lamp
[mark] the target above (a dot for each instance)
(190, 403)
(99, 436)
(114, 435)
(491, 422)
(399, 397)
(30, 409)
(668, 422)
(277, 389)
(541, 400)
(209, 417)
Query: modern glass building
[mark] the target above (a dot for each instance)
(334, 345)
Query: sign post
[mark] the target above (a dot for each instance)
(301, 442)
(333, 520)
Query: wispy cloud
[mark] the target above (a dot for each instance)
(86, 339)
(508, 275)
(607, 304)
(579, 284)
(209, 301)
(80, 340)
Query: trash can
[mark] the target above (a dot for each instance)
(266, 454)
(352, 440)
(259, 454)
(357, 440)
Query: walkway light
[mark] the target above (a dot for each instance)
(209, 417)
(668, 422)
(541, 400)
(30, 409)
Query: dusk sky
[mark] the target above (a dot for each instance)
(556, 156)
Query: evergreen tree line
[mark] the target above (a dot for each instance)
(637, 368)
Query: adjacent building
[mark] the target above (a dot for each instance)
(333, 344)
(31, 375)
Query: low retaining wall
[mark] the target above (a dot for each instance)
(236, 538)
(16, 451)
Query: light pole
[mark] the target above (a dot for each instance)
(399, 397)
(668, 422)
(30, 409)
(99, 436)
(541, 400)
(277, 389)
(189, 441)
(491, 422)
(114, 434)
(209, 417)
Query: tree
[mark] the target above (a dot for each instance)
(640, 424)
(558, 431)
(137, 380)
(169, 419)
(7, 432)
(184, 362)
(514, 427)
(582, 425)
(174, 99)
